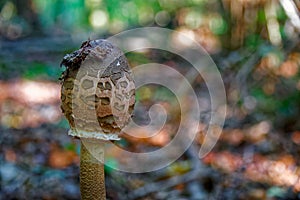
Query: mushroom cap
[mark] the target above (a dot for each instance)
(98, 92)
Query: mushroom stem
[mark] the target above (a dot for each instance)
(92, 182)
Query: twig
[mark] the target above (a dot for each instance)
(190, 177)
(244, 72)
(162, 185)
(195, 189)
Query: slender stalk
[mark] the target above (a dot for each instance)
(92, 183)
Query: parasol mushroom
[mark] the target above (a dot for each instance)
(98, 96)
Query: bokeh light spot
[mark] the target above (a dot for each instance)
(98, 18)
(162, 18)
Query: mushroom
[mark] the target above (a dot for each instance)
(98, 96)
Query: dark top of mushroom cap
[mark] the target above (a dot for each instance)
(101, 51)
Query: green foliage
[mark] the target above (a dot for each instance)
(63, 123)
(261, 17)
(253, 41)
(266, 103)
(111, 163)
(276, 192)
(68, 14)
(37, 70)
(70, 147)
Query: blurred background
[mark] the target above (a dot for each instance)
(255, 44)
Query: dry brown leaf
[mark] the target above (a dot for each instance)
(60, 158)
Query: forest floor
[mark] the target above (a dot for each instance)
(253, 159)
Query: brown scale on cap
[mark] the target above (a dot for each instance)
(98, 92)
